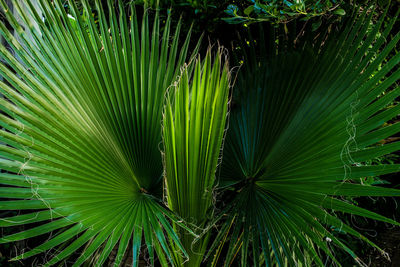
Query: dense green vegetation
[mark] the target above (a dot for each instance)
(126, 138)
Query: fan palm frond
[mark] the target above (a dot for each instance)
(82, 128)
(194, 123)
(307, 121)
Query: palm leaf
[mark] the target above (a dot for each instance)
(82, 129)
(193, 129)
(307, 121)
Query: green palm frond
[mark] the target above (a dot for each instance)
(306, 121)
(88, 104)
(82, 128)
(194, 123)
